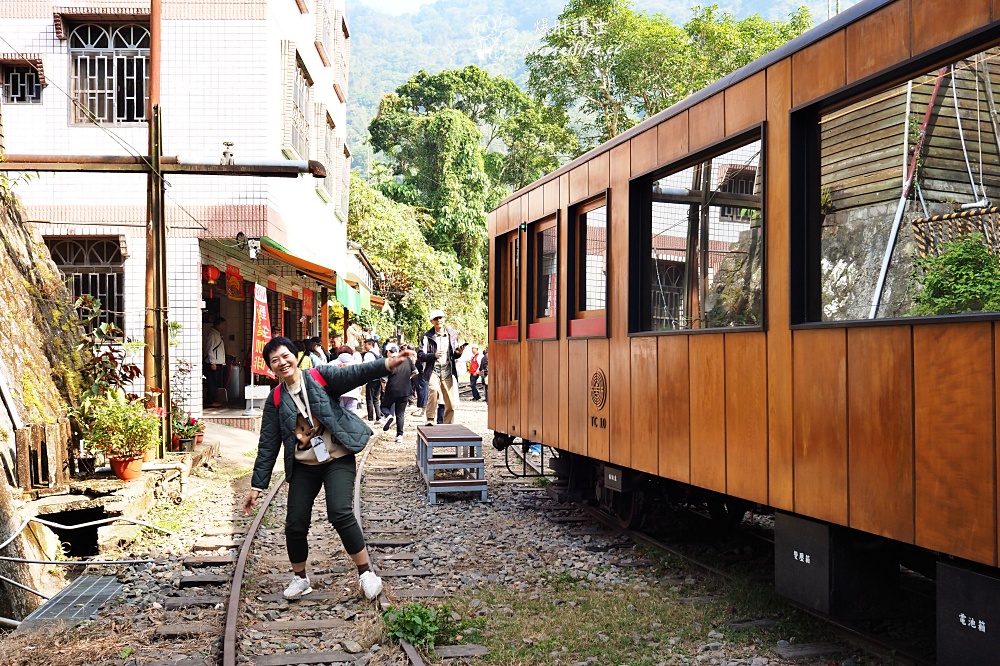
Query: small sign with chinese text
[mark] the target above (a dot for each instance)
(261, 332)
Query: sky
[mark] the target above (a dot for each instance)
(818, 7)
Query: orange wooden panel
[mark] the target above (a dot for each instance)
(534, 373)
(644, 152)
(550, 196)
(746, 104)
(880, 430)
(500, 394)
(779, 339)
(878, 41)
(521, 357)
(550, 393)
(579, 183)
(819, 424)
(708, 411)
(491, 417)
(645, 454)
(935, 23)
(674, 407)
(818, 69)
(536, 204)
(514, 388)
(600, 173)
(564, 198)
(600, 414)
(954, 444)
(707, 122)
(672, 138)
(621, 358)
(579, 397)
(746, 416)
(502, 219)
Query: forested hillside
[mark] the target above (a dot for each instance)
(493, 34)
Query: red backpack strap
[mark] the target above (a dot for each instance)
(315, 375)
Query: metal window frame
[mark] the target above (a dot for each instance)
(104, 76)
(32, 96)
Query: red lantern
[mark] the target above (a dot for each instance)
(211, 274)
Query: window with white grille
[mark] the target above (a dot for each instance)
(109, 66)
(21, 85)
(301, 90)
(94, 267)
(345, 184)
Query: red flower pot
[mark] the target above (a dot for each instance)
(127, 469)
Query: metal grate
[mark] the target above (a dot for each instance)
(79, 600)
(21, 85)
(110, 73)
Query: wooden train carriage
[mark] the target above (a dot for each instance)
(672, 301)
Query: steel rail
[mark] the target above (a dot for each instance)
(229, 643)
(383, 601)
(852, 635)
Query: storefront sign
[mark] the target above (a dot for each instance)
(308, 302)
(261, 332)
(234, 283)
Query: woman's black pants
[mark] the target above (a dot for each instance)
(338, 478)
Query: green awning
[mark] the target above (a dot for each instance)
(349, 297)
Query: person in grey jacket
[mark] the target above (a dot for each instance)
(304, 421)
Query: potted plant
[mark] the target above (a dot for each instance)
(125, 429)
(185, 429)
(199, 433)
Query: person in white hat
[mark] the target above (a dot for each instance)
(438, 351)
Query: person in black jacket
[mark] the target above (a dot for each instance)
(397, 392)
(303, 418)
(438, 351)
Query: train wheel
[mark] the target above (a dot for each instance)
(728, 511)
(628, 509)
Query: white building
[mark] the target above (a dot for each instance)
(270, 76)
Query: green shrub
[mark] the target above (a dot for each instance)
(965, 277)
(419, 625)
(123, 428)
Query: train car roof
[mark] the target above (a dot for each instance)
(825, 28)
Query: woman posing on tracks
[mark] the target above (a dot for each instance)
(320, 438)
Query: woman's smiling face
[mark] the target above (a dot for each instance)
(283, 363)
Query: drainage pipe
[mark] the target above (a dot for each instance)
(102, 521)
(76, 563)
(6, 622)
(24, 587)
(183, 468)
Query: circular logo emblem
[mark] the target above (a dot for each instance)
(598, 389)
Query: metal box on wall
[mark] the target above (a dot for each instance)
(968, 617)
(831, 569)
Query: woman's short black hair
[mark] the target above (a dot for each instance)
(273, 345)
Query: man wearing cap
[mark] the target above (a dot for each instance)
(438, 352)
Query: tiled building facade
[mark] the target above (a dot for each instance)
(270, 76)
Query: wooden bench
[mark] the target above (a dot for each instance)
(463, 451)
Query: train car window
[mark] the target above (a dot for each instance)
(701, 242)
(508, 286)
(903, 216)
(588, 255)
(543, 272)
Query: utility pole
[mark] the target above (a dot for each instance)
(157, 357)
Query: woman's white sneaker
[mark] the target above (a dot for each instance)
(371, 584)
(299, 587)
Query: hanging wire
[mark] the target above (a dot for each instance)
(129, 148)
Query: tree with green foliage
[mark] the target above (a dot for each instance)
(520, 139)
(415, 277)
(964, 277)
(615, 66)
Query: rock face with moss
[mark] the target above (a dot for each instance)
(39, 366)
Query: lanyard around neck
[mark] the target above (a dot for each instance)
(303, 407)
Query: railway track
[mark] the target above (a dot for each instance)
(868, 641)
